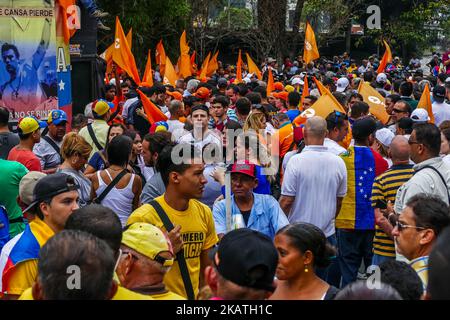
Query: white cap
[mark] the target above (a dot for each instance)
(382, 78)
(385, 136)
(297, 81)
(420, 115)
(447, 80)
(342, 84)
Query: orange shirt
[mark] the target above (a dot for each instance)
(285, 137)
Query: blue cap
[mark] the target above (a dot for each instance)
(56, 117)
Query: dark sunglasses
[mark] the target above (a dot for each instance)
(398, 111)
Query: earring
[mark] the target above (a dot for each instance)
(306, 268)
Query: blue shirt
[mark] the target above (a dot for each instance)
(292, 114)
(266, 215)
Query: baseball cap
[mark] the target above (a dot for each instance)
(30, 124)
(101, 106)
(385, 136)
(278, 86)
(27, 184)
(420, 115)
(57, 117)
(149, 241)
(222, 82)
(281, 95)
(289, 88)
(247, 258)
(297, 81)
(202, 93)
(244, 168)
(363, 128)
(175, 94)
(159, 126)
(439, 93)
(52, 185)
(342, 84)
(382, 78)
(270, 60)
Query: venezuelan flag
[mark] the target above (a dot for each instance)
(357, 212)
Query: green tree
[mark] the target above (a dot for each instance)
(235, 18)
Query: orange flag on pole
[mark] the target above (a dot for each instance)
(252, 68)
(68, 28)
(270, 82)
(305, 91)
(184, 65)
(205, 64)
(239, 68)
(322, 107)
(193, 64)
(324, 90)
(170, 76)
(375, 101)
(153, 113)
(122, 54)
(213, 65)
(160, 56)
(148, 74)
(310, 51)
(387, 58)
(425, 102)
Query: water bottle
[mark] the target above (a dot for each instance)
(237, 221)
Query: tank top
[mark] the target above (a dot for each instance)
(118, 200)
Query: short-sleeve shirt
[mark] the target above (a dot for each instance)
(384, 189)
(315, 177)
(198, 234)
(12, 172)
(446, 57)
(25, 157)
(100, 128)
(47, 155)
(8, 140)
(266, 215)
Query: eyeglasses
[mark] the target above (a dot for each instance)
(400, 226)
(410, 142)
(398, 111)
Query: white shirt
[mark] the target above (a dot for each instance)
(315, 177)
(208, 138)
(441, 112)
(333, 146)
(174, 125)
(127, 105)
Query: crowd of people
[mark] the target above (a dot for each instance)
(229, 198)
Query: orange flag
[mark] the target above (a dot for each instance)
(425, 102)
(185, 60)
(270, 82)
(310, 52)
(160, 56)
(107, 55)
(122, 54)
(62, 17)
(305, 91)
(252, 68)
(375, 101)
(193, 64)
(239, 68)
(154, 114)
(322, 107)
(205, 64)
(213, 65)
(148, 74)
(170, 76)
(387, 58)
(324, 90)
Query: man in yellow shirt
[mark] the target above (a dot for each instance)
(181, 170)
(146, 257)
(55, 198)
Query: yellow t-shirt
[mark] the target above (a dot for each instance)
(121, 294)
(198, 234)
(167, 296)
(25, 273)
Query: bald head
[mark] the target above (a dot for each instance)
(316, 127)
(399, 149)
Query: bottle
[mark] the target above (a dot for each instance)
(237, 221)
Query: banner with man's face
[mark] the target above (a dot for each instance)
(28, 64)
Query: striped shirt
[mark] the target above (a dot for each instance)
(384, 189)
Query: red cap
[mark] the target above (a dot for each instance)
(176, 95)
(246, 168)
(278, 86)
(202, 93)
(281, 95)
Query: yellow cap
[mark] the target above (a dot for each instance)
(149, 241)
(101, 107)
(30, 124)
(289, 88)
